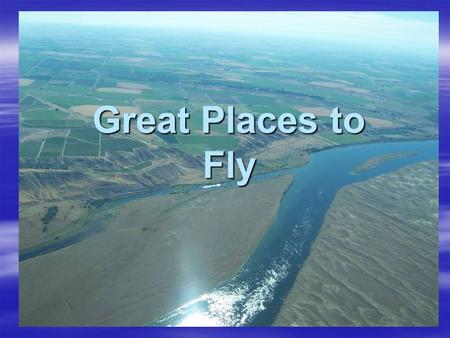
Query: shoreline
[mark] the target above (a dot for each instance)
(305, 300)
(187, 188)
(198, 254)
(233, 274)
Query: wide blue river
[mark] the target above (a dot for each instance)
(254, 295)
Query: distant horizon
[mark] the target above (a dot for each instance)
(413, 31)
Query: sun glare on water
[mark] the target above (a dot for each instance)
(199, 319)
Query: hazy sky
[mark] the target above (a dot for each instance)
(391, 29)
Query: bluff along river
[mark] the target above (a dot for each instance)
(254, 295)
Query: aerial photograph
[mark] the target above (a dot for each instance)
(123, 229)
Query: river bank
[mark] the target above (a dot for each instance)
(251, 296)
(255, 294)
(154, 254)
(374, 262)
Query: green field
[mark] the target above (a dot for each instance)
(345, 138)
(43, 115)
(76, 147)
(110, 143)
(54, 123)
(29, 149)
(53, 147)
(196, 144)
(66, 100)
(88, 134)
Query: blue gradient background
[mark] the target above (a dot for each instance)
(9, 165)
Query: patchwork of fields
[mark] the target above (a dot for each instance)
(61, 86)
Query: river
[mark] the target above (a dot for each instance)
(254, 295)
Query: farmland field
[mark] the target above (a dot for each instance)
(29, 149)
(58, 86)
(53, 147)
(75, 147)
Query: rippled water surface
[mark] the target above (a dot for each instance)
(253, 296)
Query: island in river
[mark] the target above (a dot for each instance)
(376, 161)
(375, 260)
